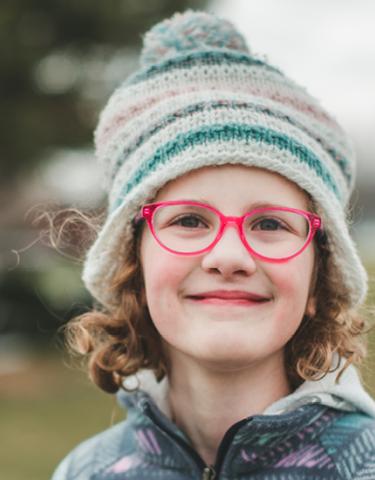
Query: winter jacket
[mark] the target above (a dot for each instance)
(323, 430)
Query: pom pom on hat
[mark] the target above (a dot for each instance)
(189, 31)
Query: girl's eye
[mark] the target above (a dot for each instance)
(269, 224)
(188, 221)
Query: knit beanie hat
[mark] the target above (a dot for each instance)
(199, 98)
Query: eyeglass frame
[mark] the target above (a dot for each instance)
(315, 224)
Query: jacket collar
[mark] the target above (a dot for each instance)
(250, 444)
(347, 394)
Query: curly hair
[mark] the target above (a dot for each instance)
(334, 328)
(124, 340)
(119, 342)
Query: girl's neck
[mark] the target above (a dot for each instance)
(205, 403)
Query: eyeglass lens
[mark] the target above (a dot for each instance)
(272, 233)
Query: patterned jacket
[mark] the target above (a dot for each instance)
(311, 442)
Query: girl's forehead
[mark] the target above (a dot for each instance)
(234, 185)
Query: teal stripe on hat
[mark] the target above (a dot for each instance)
(204, 58)
(341, 161)
(228, 132)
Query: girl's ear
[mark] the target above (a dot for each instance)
(311, 307)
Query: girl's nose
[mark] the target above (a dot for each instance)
(229, 256)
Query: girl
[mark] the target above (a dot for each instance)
(226, 280)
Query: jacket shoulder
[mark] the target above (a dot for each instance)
(350, 442)
(95, 454)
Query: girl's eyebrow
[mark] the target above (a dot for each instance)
(251, 206)
(255, 205)
(200, 200)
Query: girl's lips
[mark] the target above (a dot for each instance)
(227, 297)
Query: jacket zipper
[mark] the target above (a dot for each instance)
(209, 472)
(224, 446)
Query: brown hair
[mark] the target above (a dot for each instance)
(123, 340)
(334, 328)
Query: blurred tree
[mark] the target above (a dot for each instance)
(52, 53)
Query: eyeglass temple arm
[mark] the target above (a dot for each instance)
(317, 222)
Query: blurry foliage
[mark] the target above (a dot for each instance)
(38, 302)
(48, 50)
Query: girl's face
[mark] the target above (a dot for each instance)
(226, 335)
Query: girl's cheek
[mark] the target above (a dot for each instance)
(292, 284)
(163, 273)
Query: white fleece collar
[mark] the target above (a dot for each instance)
(348, 394)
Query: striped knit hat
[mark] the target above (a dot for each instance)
(202, 98)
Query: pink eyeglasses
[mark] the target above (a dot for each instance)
(273, 234)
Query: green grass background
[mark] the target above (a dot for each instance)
(44, 412)
(49, 407)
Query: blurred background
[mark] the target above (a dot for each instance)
(60, 60)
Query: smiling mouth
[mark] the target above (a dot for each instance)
(228, 298)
